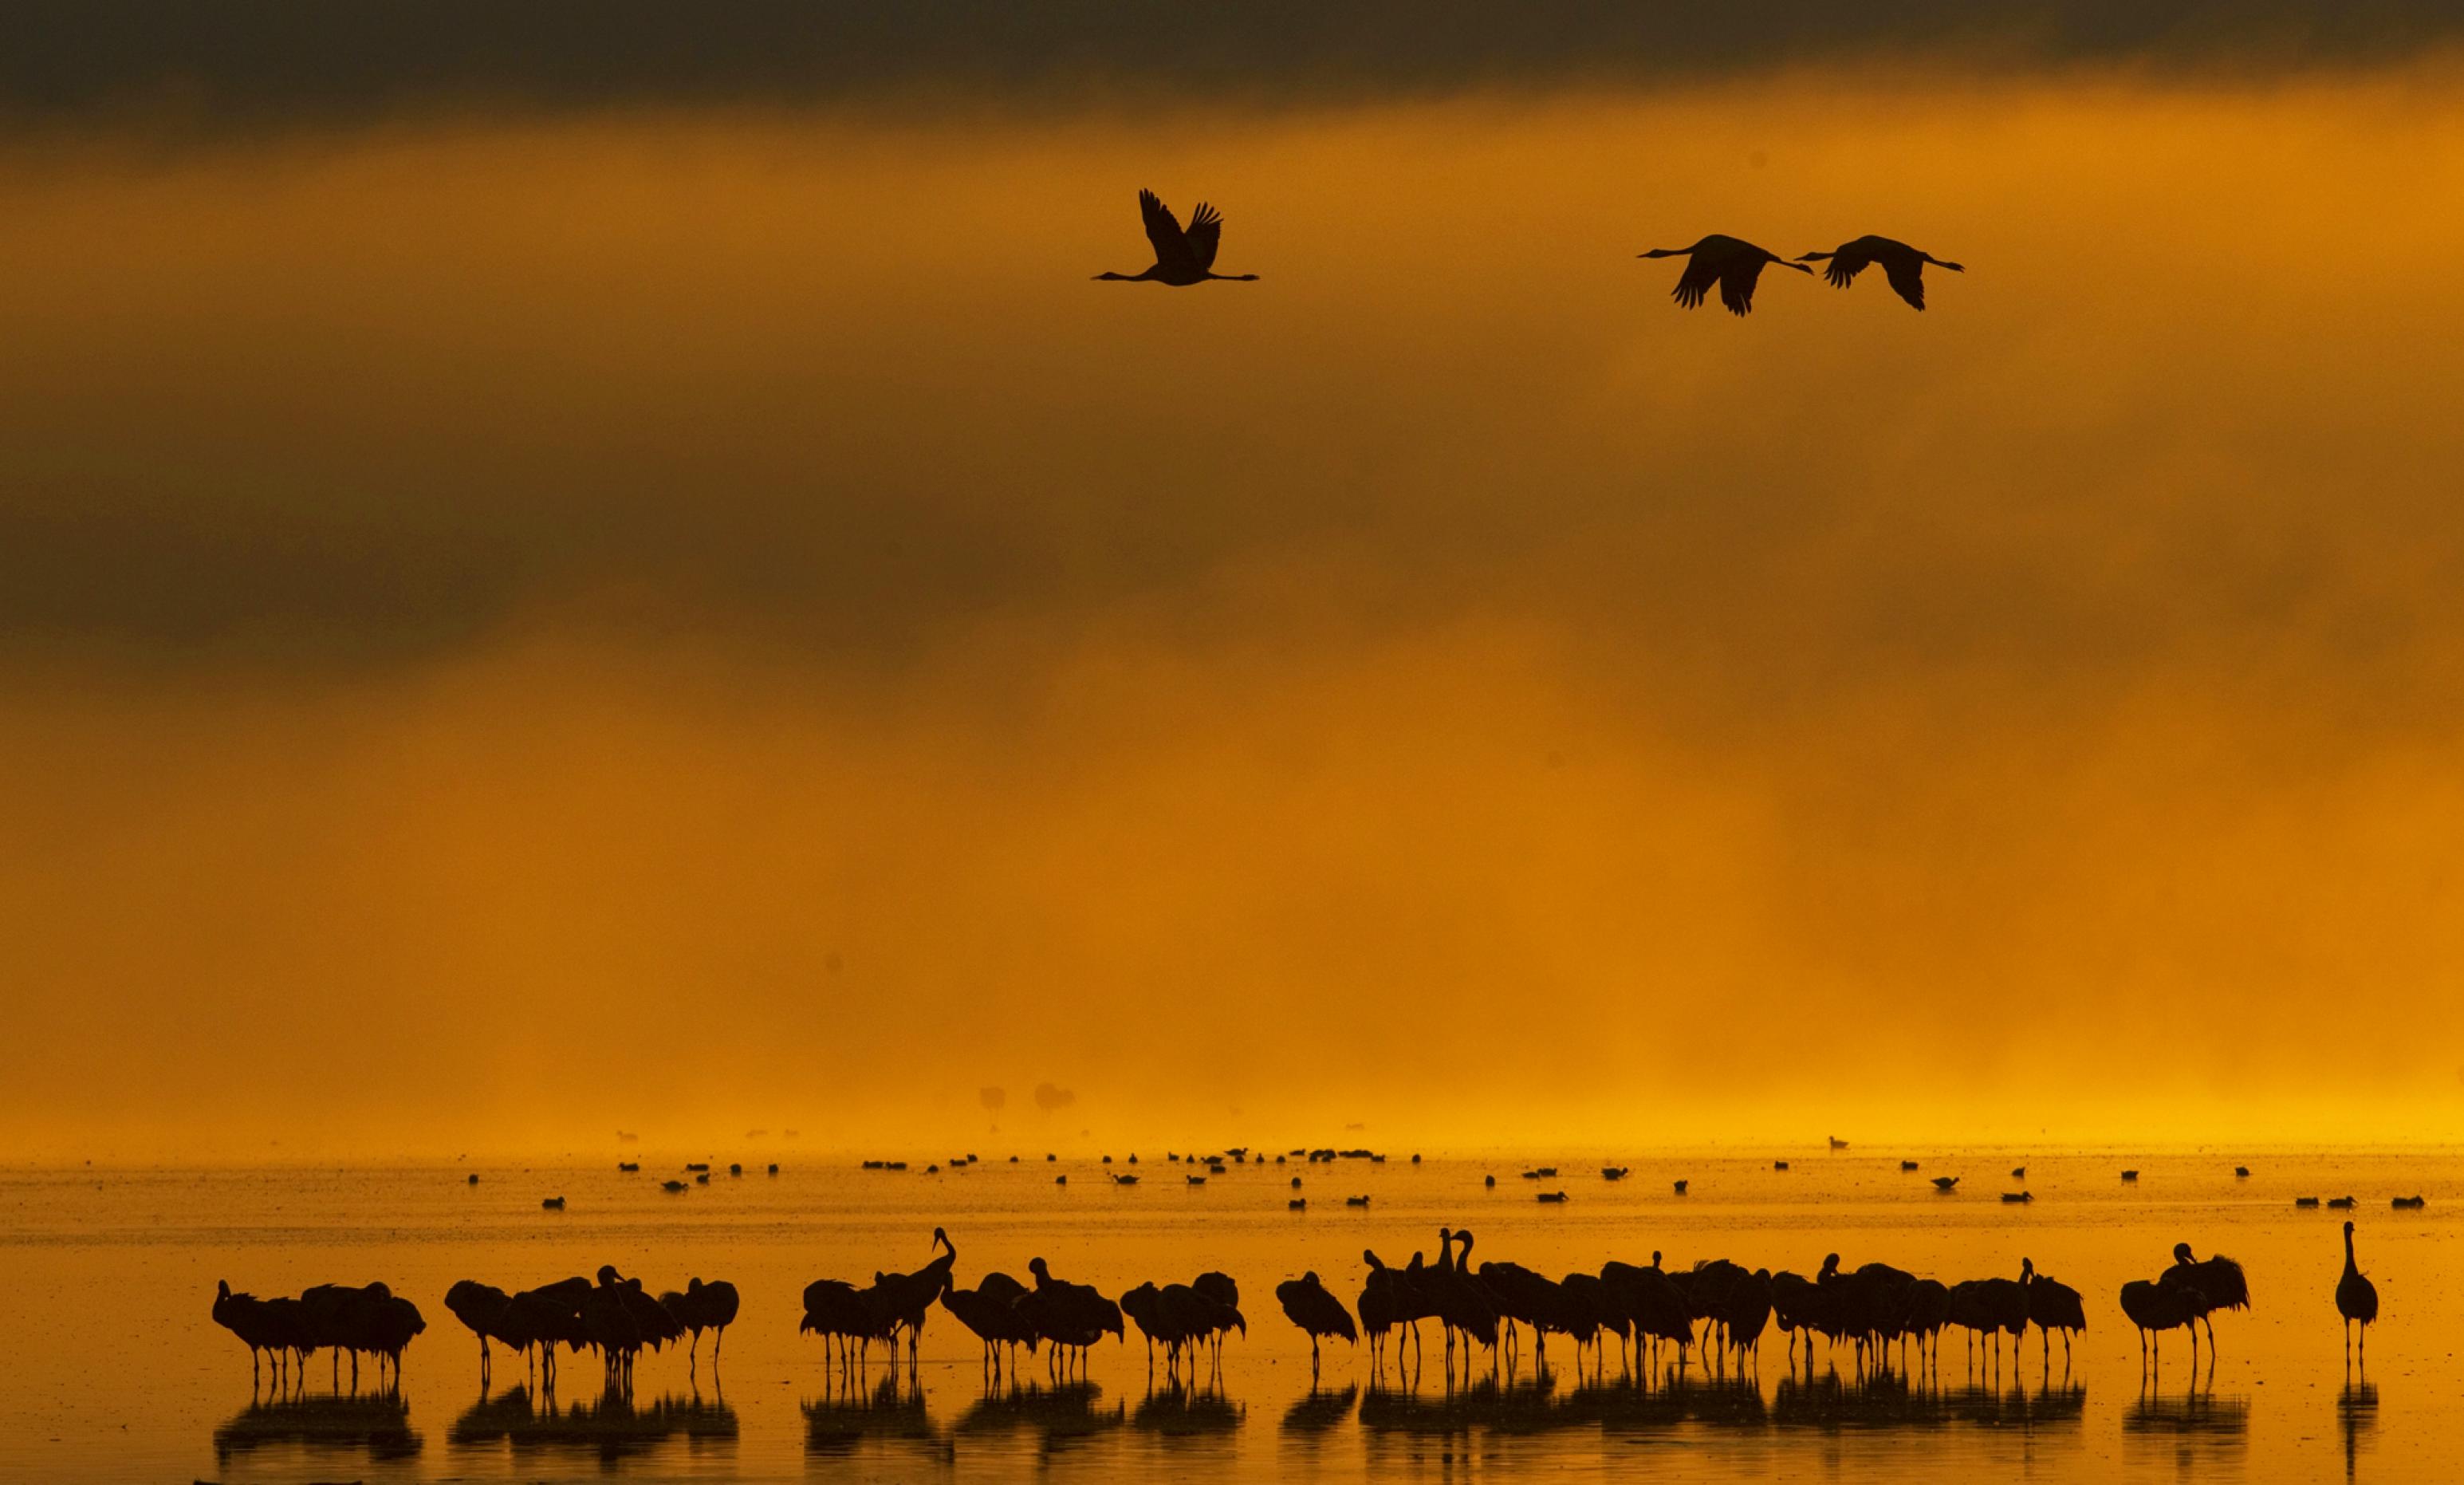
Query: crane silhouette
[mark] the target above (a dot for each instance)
(2357, 1299)
(2053, 1306)
(2216, 1282)
(1388, 1299)
(2158, 1307)
(1181, 257)
(702, 1307)
(482, 1308)
(990, 1310)
(1730, 263)
(1902, 265)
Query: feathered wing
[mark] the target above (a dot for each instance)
(1701, 273)
(1205, 232)
(1737, 285)
(1908, 277)
(1844, 267)
(1163, 229)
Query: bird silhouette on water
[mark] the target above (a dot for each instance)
(2053, 1306)
(1732, 263)
(1902, 265)
(2357, 1299)
(1308, 1304)
(702, 1307)
(1182, 257)
(2156, 1308)
(2216, 1282)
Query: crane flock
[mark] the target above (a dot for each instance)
(1716, 1308)
(1184, 256)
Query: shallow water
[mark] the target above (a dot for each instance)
(117, 1369)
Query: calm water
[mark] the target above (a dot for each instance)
(118, 1371)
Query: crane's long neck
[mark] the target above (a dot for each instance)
(1465, 1262)
(2349, 1266)
(1126, 278)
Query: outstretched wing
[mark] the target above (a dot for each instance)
(1163, 229)
(1908, 277)
(1737, 285)
(1844, 267)
(1205, 232)
(1702, 270)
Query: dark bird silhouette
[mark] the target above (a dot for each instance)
(1648, 1301)
(1902, 264)
(1946, 1183)
(848, 1319)
(1181, 257)
(1923, 1311)
(535, 1320)
(362, 1320)
(702, 1307)
(1070, 1316)
(620, 1319)
(482, 1308)
(1463, 1304)
(2342, 1202)
(1523, 1296)
(1143, 1306)
(2357, 1299)
(1220, 1288)
(264, 1327)
(1388, 1298)
(1797, 1304)
(1592, 1314)
(1191, 1319)
(1745, 1310)
(2216, 1279)
(990, 1310)
(2053, 1306)
(2157, 1308)
(1993, 1307)
(906, 1296)
(387, 1325)
(1730, 263)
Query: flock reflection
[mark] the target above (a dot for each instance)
(856, 1418)
(376, 1426)
(1830, 1404)
(611, 1425)
(2194, 1425)
(1047, 1419)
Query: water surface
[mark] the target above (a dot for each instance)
(119, 1371)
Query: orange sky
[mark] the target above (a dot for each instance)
(694, 620)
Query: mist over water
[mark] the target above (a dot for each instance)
(492, 595)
